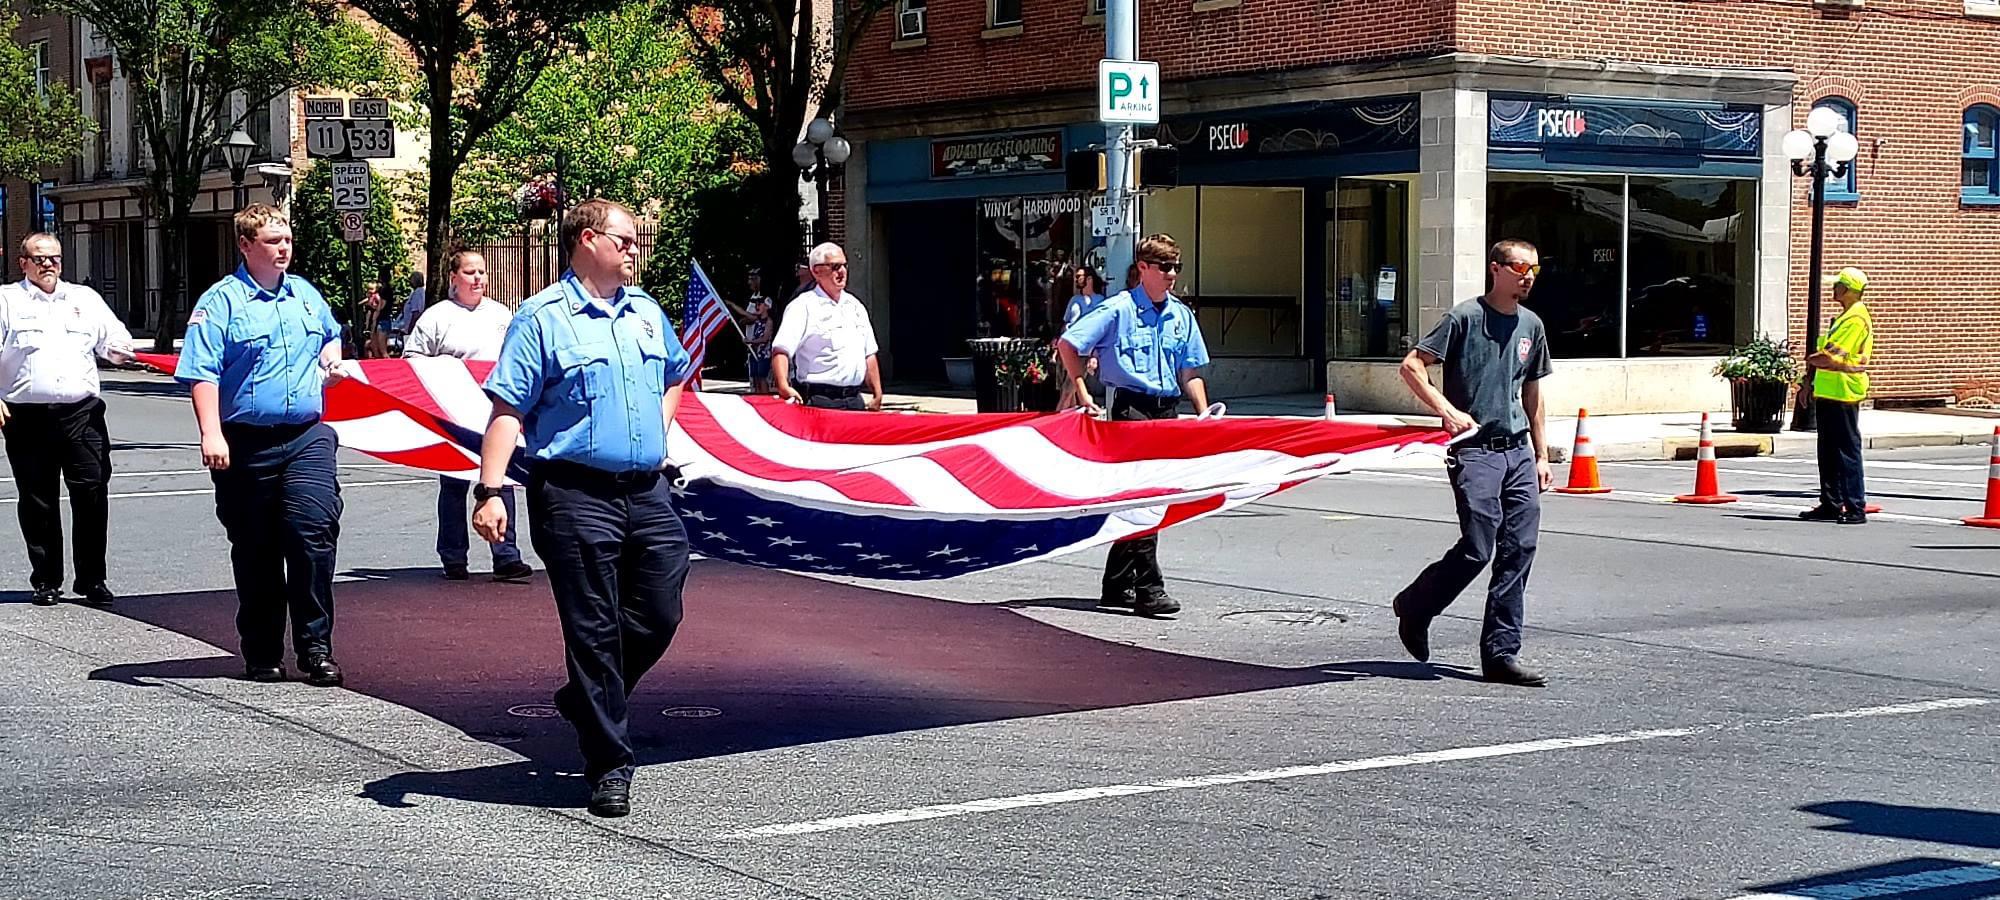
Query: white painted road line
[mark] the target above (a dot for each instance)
(1753, 473)
(1631, 496)
(1890, 885)
(210, 490)
(1394, 761)
(172, 472)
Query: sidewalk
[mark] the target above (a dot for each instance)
(1634, 437)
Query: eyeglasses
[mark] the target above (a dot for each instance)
(625, 244)
(831, 267)
(1524, 269)
(1167, 267)
(44, 261)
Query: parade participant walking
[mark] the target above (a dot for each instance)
(1495, 354)
(827, 332)
(591, 373)
(260, 346)
(52, 333)
(470, 325)
(1150, 352)
(758, 327)
(1840, 383)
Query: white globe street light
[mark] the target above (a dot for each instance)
(817, 156)
(1824, 121)
(1823, 149)
(1842, 148)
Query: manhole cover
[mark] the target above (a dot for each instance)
(534, 711)
(691, 712)
(1286, 617)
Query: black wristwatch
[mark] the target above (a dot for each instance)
(481, 493)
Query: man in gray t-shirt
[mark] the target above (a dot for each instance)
(1494, 354)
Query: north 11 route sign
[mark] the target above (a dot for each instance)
(1128, 92)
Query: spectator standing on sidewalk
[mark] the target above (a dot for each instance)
(1840, 383)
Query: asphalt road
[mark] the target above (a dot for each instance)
(1740, 704)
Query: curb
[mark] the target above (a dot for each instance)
(1741, 445)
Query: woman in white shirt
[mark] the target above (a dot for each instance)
(470, 325)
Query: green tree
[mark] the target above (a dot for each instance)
(43, 125)
(187, 59)
(636, 122)
(321, 257)
(475, 59)
(780, 65)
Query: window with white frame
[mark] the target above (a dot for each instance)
(1002, 13)
(910, 19)
(1093, 7)
(40, 50)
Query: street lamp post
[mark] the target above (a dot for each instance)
(236, 151)
(817, 156)
(1821, 150)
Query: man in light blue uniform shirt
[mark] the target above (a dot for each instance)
(591, 373)
(1149, 351)
(260, 347)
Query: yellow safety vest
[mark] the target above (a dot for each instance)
(1851, 340)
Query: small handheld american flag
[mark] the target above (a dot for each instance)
(706, 317)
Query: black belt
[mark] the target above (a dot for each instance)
(1500, 444)
(829, 390)
(275, 434)
(578, 475)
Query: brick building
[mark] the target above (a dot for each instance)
(1345, 165)
(25, 207)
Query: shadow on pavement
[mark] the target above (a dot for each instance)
(1940, 825)
(1915, 878)
(763, 661)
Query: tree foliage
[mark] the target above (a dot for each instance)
(634, 120)
(187, 59)
(476, 60)
(43, 126)
(780, 65)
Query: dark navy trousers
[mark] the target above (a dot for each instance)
(49, 444)
(279, 501)
(1132, 567)
(617, 558)
(1499, 502)
(1842, 481)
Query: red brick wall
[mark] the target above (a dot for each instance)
(1058, 51)
(1911, 67)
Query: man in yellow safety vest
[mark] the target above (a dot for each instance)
(1840, 383)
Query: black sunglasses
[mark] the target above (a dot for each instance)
(42, 260)
(1168, 267)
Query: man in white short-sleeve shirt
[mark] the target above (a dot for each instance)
(827, 342)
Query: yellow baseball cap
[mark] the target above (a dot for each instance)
(1851, 278)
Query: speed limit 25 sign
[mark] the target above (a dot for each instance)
(350, 186)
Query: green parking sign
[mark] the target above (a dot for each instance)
(1128, 92)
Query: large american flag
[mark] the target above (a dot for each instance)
(706, 317)
(896, 495)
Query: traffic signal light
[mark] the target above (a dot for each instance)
(1083, 170)
(1156, 167)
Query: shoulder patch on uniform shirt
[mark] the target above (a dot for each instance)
(197, 317)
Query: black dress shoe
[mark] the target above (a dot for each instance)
(516, 571)
(1119, 600)
(98, 596)
(321, 671)
(1508, 670)
(456, 572)
(46, 596)
(1416, 635)
(1821, 513)
(611, 798)
(264, 674)
(1852, 517)
(1156, 605)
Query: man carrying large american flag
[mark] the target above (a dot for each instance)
(824, 354)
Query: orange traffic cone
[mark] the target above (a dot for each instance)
(1583, 461)
(1992, 517)
(1707, 487)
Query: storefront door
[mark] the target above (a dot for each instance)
(1368, 269)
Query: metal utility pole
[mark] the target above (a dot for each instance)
(1121, 42)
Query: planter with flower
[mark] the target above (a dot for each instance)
(1760, 375)
(1023, 373)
